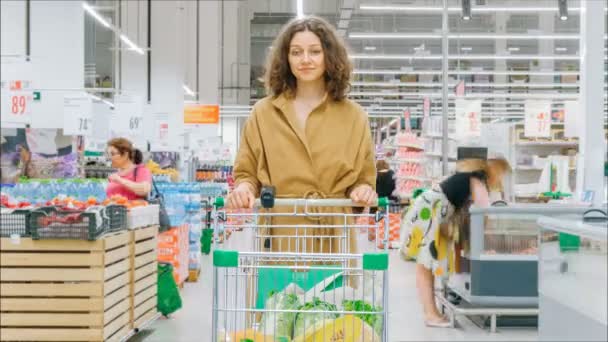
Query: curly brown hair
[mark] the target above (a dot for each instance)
(279, 78)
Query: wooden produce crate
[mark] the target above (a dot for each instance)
(65, 290)
(143, 275)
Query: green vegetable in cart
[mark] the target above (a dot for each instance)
(373, 320)
(311, 320)
(280, 323)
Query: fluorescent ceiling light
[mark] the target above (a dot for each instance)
(517, 57)
(467, 57)
(396, 72)
(188, 90)
(476, 36)
(513, 48)
(300, 8)
(97, 98)
(361, 35)
(399, 8)
(563, 9)
(561, 49)
(466, 9)
(468, 85)
(96, 15)
(465, 72)
(466, 48)
(475, 9)
(370, 48)
(108, 103)
(435, 57)
(132, 45)
(492, 36)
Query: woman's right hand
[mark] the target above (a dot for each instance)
(241, 197)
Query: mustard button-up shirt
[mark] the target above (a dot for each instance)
(332, 155)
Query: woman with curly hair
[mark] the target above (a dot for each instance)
(306, 138)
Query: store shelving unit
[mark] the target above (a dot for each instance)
(529, 157)
(433, 136)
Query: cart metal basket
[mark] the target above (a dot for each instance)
(273, 284)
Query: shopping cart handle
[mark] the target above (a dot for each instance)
(310, 202)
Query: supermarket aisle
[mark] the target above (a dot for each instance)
(193, 321)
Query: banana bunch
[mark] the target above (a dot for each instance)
(157, 170)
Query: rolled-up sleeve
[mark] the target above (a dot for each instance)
(365, 165)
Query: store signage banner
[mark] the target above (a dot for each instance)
(537, 122)
(16, 100)
(571, 122)
(77, 118)
(468, 119)
(201, 114)
(128, 118)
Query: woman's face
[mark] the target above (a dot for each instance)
(306, 57)
(118, 160)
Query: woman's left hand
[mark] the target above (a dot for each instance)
(364, 194)
(115, 178)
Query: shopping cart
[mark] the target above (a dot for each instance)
(276, 281)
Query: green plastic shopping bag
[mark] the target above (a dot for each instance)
(168, 298)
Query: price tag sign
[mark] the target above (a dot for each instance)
(468, 119)
(460, 89)
(537, 122)
(161, 134)
(77, 118)
(406, 119)
(16, 101)
(426, 107)
(128, 116)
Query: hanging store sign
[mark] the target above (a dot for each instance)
(571, 115)
(128, 117)
(460, 89)
(77, 118)
(201, 114)
(16, 100)
(537, 122)
(162, 133)
(468, 119)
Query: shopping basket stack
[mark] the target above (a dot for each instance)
(263, 292)
(173, 248)
(54, 222)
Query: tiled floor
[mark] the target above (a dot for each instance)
(193, 321)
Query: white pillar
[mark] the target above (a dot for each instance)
(500, 46)
(546, 47)
(592, 143)
(167, 74)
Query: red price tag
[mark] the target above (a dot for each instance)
(473, 122)
(18, 104)
(542, 123)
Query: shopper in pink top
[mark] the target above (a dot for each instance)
(133, 180)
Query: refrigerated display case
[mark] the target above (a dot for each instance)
(500, 266)
(573, 279)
